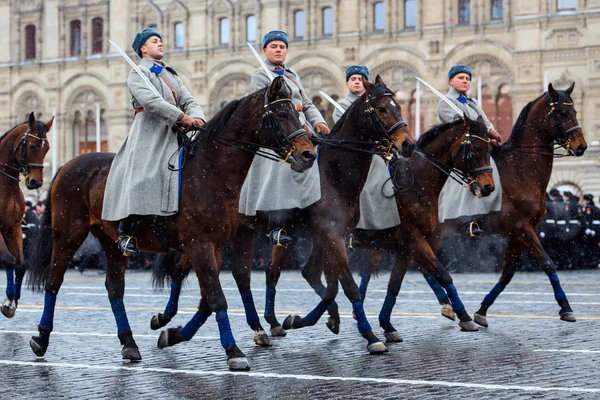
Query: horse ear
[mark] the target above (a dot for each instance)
(379, 80)
(570, 89)
(275, 88)
(49, 124)
(31, 120)
(552, 92)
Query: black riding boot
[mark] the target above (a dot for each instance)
(277, 233)
(127, 230)
(472, 230)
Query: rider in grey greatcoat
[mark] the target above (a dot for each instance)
(378, 209)
(455, 201)
(140, 182)
(272, 187)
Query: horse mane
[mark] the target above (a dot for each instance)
(519, 127)
(5, 134)
(435, 131)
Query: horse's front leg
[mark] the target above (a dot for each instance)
(279, 255)
(177, 272)
(440, 294)
(370, 269)
(11, 257)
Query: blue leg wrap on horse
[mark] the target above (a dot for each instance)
(559, 293)
(313, 316)
(248, 300)
(439, 291)
(361, 318)
(190, 329)
(47, 321)
(10, 282)
(173, 304)
(386, 309)
(365, 277)
(227, 339)
(18, 284)
(270, 301)
(489, 299)
(457, 304)
(118, 309)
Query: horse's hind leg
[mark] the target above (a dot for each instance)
(116, 266)
(66, 241)
(279, 255)
(401, 264)
(365, 275)
(243, 244)
(440, 293)
(178, 273)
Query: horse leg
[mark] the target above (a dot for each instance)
(11, 256)
(243, 245)
(365, 276)
(66, 241)
(279, 255)
(401, 265)
(177, 274)
(172, 336)
(441, 295)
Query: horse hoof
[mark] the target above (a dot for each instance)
(38, 346)
(169, 337)
(448, 312)
(278, 331)
(568, 316)
(292, 322)
(468, 326)
(262, 339)
(334, 325)
(377, 348)
(131, 354)
(8, 308)
(480, 320)
(392, 337)
(238, 364)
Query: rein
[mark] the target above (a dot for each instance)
(24, 168)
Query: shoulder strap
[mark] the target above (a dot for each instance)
(172, 91)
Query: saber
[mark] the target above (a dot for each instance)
(441, 96)
(261, 62)
(332, 101)
(135, 68)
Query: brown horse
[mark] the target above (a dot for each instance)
(370, 126)
(22, 152)
(210, 187)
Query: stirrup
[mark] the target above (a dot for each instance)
(124, 246)
(474, 230)
(276, 236)
(350, 242)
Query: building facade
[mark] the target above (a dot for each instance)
(58, 57)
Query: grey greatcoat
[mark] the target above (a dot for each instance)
(455, 200)
(271, 186)
(139, 181)
(378, 209)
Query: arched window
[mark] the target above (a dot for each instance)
(298, 24)
(179, 35)
(562, 5)
(30, 42)
(85, 131)
(379, 16)
(464, 11)
(97, 35)
(224, 31)
(75, 38)
(410, 13)
(327, 21)
(251, 28)
(497, 9)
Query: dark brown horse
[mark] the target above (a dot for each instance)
(370, 126)
(207, 217)
(22, 152)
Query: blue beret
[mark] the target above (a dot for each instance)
(141, 38)
(357, 69)
(457, 69)
(274, 35)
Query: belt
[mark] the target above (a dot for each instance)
(139, 110)
(299, 108)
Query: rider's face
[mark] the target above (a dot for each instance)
(461, 82)
(276, 51)
(355, 84)
(153, 48)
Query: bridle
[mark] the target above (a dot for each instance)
(24, 168)
(383, 147)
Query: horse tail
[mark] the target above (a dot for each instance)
(163, 268)
(41, 247)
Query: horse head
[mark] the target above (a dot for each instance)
(31, 150)
(385, 114)
(283, 121)
(563, 125)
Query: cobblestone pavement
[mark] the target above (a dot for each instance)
(527, 352)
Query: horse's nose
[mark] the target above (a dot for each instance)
(308, 156)
(580, 149)
(407, 148)
(487, 190)
(34, 183)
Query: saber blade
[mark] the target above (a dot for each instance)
(441, 96)
(261, 62)
(332, 101)
(135, 68)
